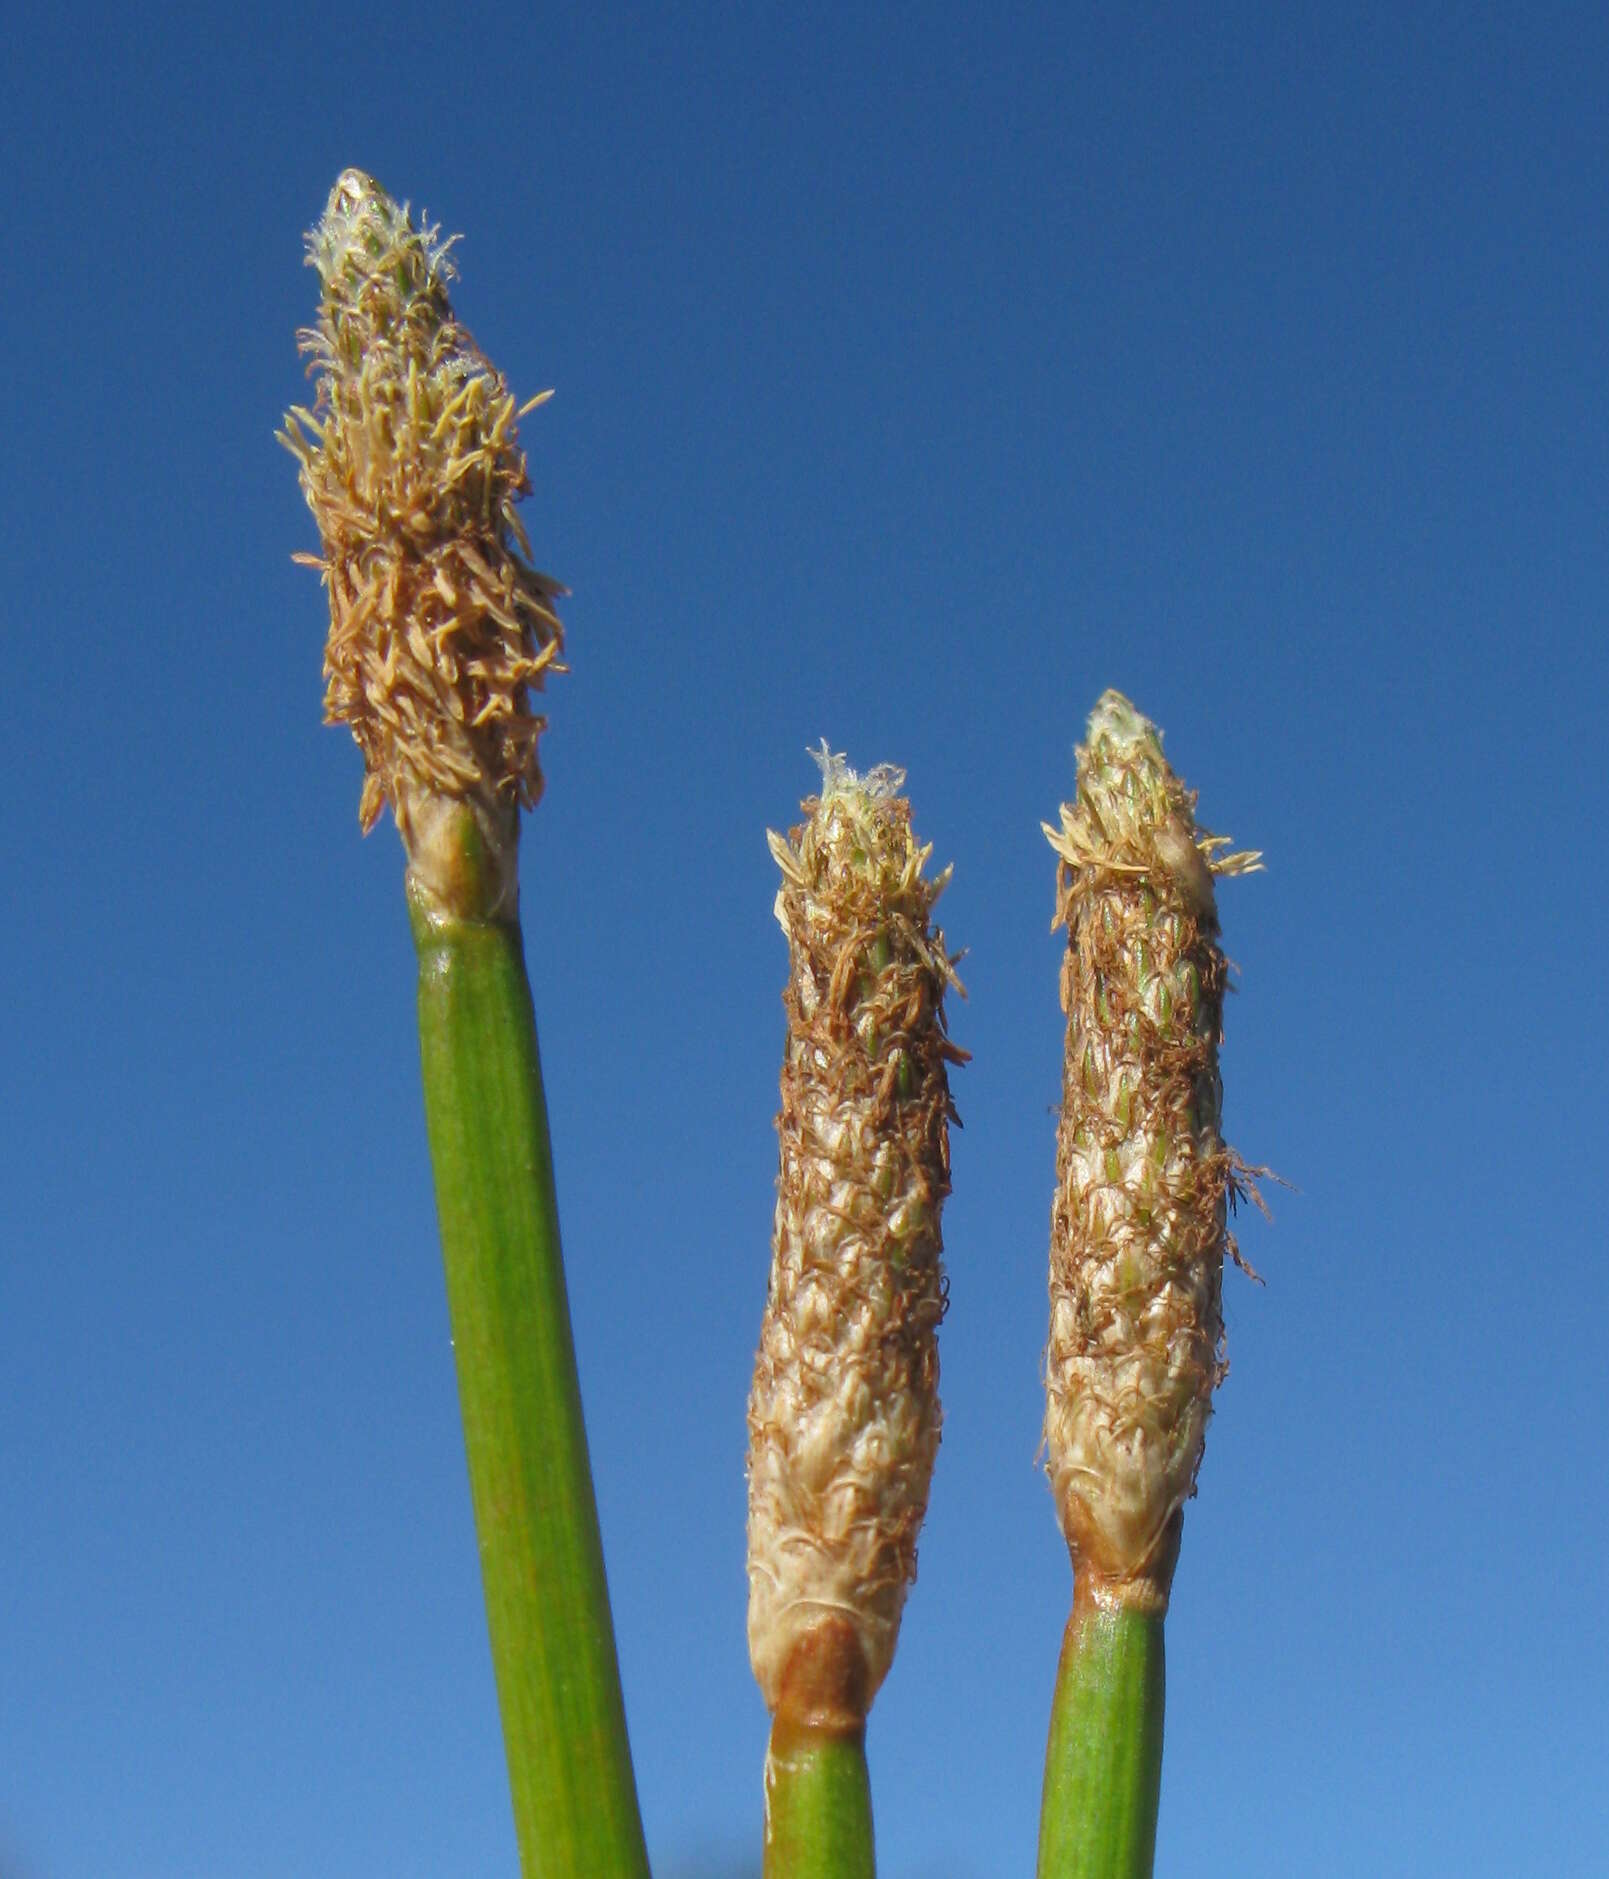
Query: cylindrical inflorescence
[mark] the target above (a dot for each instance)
(440, 629)
(1143, 1177)
(844, 1413)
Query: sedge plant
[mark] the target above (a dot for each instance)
(1139, 1232)
(441, 633)
(844, 1410)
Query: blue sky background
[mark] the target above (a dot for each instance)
(921, 372)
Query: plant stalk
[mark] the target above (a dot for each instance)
(818, 1804)
(1103, 1765)
(547, 1602)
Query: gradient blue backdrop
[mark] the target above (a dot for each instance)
(921, 371)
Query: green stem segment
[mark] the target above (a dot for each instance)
(1103, 1768)
(818, 1804)
(547, 1603)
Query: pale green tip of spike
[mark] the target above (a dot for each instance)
(1115, 721)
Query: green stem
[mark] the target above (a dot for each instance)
(818, 1804)
(1103, 1767)
(547, 1603)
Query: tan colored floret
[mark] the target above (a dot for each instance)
(844, 1413)
(1144, 1179)
(440, 629)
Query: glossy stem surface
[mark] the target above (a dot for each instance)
(818, 1804)
(547, 1603)
(1103, 1767)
